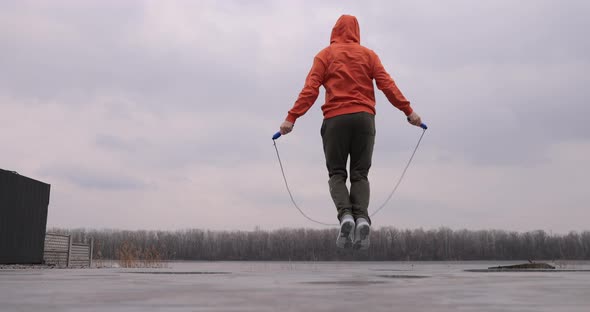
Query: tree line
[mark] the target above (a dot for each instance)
(387, 244)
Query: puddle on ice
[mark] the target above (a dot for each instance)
(180, 273)
(403, 276)
(345, 283)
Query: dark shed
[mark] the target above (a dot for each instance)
(23, 218)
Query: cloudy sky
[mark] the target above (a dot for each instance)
(159, 114)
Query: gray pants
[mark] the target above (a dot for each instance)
(354, 135)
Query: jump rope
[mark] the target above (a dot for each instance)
(278, 135)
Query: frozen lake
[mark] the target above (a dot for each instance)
(297, 286)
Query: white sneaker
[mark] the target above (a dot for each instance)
(361, 234)
(346, 235)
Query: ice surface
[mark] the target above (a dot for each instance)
(297, 286)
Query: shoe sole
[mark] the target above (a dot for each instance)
(362, 242)
(344, 239)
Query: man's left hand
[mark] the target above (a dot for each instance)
(286, 127)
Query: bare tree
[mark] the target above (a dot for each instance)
(387, 243)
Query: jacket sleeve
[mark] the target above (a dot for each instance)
(386, 84)
(310, 90)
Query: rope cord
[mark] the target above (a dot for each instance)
(376, 211)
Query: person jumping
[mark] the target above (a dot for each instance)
(346, 70)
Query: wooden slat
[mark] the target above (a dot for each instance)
(56, 235)
(56, 251)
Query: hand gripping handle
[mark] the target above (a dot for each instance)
(422, 125)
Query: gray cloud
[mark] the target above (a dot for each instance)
(88, 179)
(176, 101)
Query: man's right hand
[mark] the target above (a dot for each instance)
(414, 119)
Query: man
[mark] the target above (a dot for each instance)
(346, 70)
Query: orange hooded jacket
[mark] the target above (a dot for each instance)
(346, 70)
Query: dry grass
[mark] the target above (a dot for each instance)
(129, 256)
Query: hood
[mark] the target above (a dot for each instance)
(346, 30)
